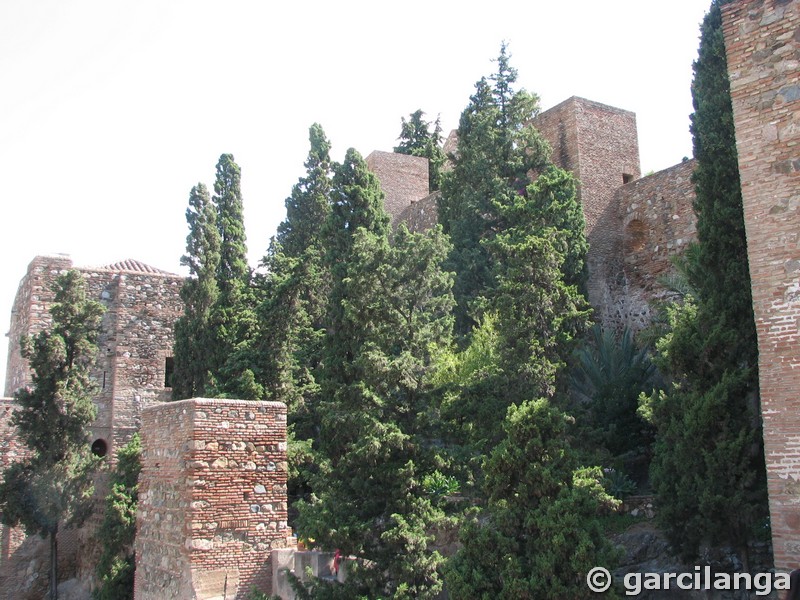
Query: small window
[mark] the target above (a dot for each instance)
(169, 369)
(626, 178)
(99, 448)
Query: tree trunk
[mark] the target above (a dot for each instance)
(54, 563)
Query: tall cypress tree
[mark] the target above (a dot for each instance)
(308, 206)
(193, 350)
(389, 308)
(293, 312)
(214, 338)
(498, 150)
(233, 317)
(708, 468)
(356, 203)
(233, 268)
(53, 485)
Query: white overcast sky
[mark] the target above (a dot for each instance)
(111, 111)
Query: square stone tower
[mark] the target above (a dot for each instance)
(599, 145)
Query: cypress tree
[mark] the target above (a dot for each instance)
(193, 350)
(233, 270)
(498, 150)
(389, 309)
(215, 337)
(708, 468)
(293, 311)
(233, 319)
(539, 534)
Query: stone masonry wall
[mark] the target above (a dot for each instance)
(421, 215)
(136, 337)
(599, 145)
(212, 498)
(403, 179)
(762, 39)
(30, 314)
(658, 222)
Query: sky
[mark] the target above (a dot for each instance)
(111, 111)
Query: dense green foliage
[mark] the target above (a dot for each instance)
(389, 308)
(498, 149)
(288, 353)
(708, 468)
(194, 337)
(417, 139)
(116, 566)
(539, 535)
(53, 484)
(610, 375)
(213, 339)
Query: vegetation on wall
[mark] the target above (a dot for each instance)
(52, 485)
(116, 566)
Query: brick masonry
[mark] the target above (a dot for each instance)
(658, 222)
(762, 39)
(634, 226)
(403, 179)
(599, 145)
(212, 498)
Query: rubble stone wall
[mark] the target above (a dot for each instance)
(212, 498)
(658, 222)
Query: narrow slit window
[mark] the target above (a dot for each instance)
(169, 369)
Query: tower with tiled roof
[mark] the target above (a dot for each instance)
(135, 346)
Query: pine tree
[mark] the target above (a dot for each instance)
(193, 350)
(498, 150)
(417, 139)
(708, 468)
(53, 485)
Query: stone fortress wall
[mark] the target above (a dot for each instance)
(635, 226)
(212, 498)
(131, 371)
